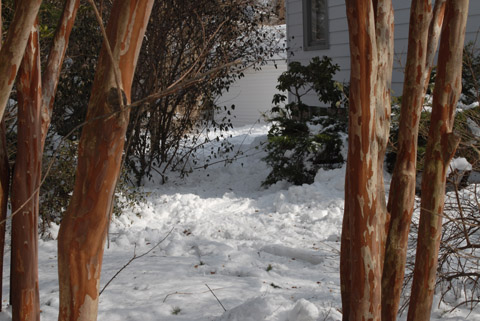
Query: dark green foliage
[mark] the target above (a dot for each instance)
(467, 126)
(470, 74)
(391, 154)
(296, 154)
(55, 192)
(76, 79)
(299, 80)
(464, 124)
(300, 143)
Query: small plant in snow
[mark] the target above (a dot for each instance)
(176, 310)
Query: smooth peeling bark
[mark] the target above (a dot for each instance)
(26, 179)
(384, 31)
(345, 261)
(441, 146)
(359, 173)
(54, 64)
(402, 188)
(370, 30)
(434, 33)
(83, 230)
(14, 46)
(34, 119)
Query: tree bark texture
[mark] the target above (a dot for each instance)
(4, 190)
(35, 104)
(422, 43)
(434, 33)
(26, 179)
(4, 184)
(14, 46)
(363, 234)
(83, 230)
(53, 67)
(441, 146)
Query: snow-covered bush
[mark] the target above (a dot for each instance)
(300, 142)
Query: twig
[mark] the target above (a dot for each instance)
(185, 83)
(187, 293)
(237, 156)
(135, 257)
(116, 69)
(216, 297)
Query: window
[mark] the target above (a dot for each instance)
(315, 24)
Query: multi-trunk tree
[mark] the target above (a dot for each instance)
(83, 230)
(84, 227)
(35, 95)
(425, 27)
(374, 236)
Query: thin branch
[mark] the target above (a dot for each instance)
(135, 257)
(182, 85)
(216, 297)
(188, 293)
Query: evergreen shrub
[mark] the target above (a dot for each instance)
(301, 141)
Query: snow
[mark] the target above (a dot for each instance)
(462, 107)
(474, 128)
(265, 253)
(459, 164)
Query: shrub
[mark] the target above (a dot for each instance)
(187, 39)
(300, 141)
(471, 74)
(467, 121)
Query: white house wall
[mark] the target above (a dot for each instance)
(338, 38)
(252, 95)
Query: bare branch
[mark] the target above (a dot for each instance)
(135, 257)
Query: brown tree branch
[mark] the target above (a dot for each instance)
(134, 257)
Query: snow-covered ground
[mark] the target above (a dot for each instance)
(266, 254)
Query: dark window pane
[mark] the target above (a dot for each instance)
(318, 21)
(315, 24)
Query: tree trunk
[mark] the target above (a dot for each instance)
(14, 46)
(4, 184)
(384, 21)
(55, 61)
(422, 43)
(83, 230)
(4, 190)
(26, 179)
(363, 234)
(35, 106)
(441, 146)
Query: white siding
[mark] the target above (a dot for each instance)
(252, 95)
(339, 48)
